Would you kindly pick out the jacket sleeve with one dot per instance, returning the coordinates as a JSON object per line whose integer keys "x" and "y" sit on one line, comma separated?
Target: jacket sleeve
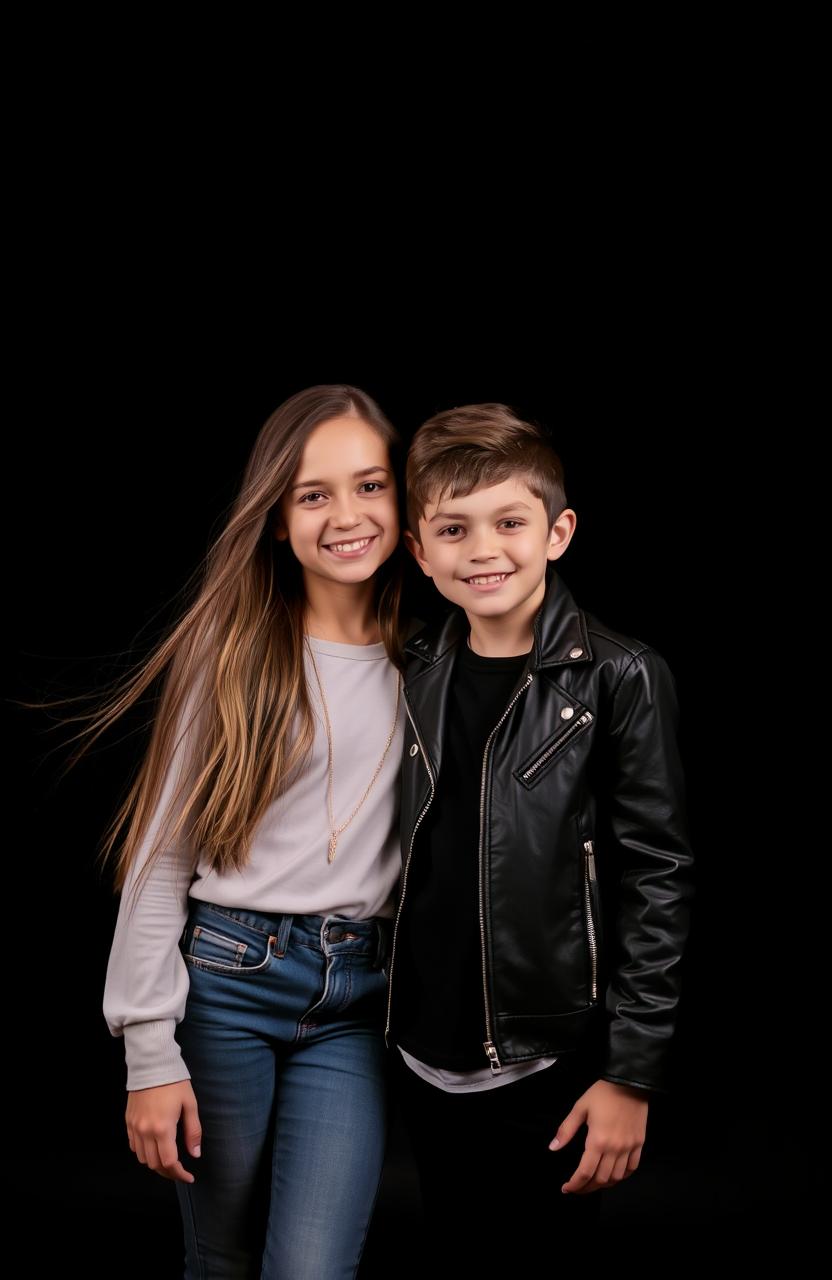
{"x": 147, "y": 980}
{"x": 651, "y": 850}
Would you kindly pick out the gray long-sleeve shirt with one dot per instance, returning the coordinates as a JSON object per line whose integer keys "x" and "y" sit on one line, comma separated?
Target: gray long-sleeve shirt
{"x": 147, "y": 979}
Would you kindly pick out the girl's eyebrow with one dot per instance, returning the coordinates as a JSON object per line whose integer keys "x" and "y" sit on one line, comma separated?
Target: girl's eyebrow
{"x": 356, "y": 475}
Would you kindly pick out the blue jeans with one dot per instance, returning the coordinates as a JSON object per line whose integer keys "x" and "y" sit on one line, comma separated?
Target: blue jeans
{"x": 283, "y": 1035}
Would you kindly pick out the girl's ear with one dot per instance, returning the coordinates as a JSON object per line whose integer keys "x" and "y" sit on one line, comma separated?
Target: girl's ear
{"x": 415, "y": 548}
{"x": 281, "y": 532}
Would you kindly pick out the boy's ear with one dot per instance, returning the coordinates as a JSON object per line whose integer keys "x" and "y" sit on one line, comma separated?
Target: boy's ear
{"x": 560, "y": 534}
{"x": 415, "y": 548}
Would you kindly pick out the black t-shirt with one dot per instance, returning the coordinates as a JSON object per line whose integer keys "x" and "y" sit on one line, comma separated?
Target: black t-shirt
{"x": 439, "y": 979}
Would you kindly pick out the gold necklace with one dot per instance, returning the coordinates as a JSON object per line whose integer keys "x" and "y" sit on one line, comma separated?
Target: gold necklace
{"x": 336, "y": 831}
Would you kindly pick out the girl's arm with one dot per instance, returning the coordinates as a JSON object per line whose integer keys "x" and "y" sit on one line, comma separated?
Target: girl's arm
{"x": 147, "y": 981}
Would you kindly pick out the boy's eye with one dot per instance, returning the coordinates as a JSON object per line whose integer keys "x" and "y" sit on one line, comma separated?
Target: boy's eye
{"x": 453, "y": 529}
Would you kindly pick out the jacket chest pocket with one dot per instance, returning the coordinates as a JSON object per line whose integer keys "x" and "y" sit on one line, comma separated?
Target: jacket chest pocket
{"x": 533, "y": 769}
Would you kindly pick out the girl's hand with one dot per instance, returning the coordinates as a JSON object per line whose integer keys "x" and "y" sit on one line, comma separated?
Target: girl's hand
{"x": 152, "y": 1116}
{"x": 616, "y": 1117}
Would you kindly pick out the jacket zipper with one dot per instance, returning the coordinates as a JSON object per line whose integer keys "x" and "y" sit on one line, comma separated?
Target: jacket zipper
{"x": 406, "y": 867}
{"x": 488, "y": 1043}
{"x": 573, "y": 728}
{"x": 589, "y": 875}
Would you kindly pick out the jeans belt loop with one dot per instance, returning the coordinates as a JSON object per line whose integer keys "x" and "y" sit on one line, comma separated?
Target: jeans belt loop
{"x": 283, "y": 935}
{"x": 381, "y": 944}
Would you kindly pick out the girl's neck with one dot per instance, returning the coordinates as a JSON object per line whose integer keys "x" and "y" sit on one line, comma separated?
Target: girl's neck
{"x": 341, "y": 612}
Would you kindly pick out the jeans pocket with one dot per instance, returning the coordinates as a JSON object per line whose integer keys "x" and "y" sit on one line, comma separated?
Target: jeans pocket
{"x": 226, "y": 946}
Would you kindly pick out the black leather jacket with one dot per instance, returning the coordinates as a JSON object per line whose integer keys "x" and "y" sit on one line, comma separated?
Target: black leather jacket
{"x": 585, "y": 864}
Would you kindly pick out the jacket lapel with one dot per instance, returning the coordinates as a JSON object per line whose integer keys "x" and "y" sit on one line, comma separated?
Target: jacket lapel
{"x": 561, "y": 636}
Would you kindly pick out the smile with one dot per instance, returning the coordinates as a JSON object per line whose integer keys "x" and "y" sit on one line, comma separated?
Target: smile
{"x": 487, "y": 581}
{"x": 350, "y": 550}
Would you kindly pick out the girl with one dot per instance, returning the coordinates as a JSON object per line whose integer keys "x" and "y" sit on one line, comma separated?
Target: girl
{"x": 247, "y": 971}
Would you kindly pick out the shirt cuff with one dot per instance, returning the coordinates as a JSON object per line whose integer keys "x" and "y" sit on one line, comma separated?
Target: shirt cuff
{"x": 153, "y": 1054}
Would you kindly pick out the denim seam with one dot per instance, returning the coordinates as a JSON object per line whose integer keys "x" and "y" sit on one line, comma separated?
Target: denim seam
{"x": 301, "y": 1029}
{"x": 369, "y": 1221}
{"x": 216, "y": 966}
{"x": 230, "y": 914}
{"x": 233, "y": 944}
{"x": 194, "y": 1233}
{"x": 348, "y": 984}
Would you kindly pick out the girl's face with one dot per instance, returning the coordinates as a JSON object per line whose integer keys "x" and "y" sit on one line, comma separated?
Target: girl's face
{"x": 339, "y": 512}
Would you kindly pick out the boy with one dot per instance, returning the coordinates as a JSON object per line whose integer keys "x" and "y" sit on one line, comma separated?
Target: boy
{"x": 544, "y": 904}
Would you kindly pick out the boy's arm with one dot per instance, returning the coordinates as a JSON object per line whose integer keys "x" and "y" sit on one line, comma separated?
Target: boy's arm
{"x": 646, "y": 804}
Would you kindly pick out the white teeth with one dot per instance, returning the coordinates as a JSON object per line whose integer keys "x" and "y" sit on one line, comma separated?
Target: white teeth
{"x": 350, "y": 546}
{"x": 483, "y": 582}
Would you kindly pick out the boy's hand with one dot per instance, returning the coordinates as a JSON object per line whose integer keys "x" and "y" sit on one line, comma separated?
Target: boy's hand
{"x": 616, "y": 1117}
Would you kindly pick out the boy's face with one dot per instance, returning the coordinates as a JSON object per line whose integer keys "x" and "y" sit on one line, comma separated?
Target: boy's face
{"x": 488, "y": 551}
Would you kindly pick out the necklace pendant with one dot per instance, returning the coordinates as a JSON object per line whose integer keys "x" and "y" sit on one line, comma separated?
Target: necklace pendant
{"x": 333, "y": 840}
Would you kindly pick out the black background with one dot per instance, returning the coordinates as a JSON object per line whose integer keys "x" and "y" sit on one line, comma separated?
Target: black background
{"x": 130, "y": 443}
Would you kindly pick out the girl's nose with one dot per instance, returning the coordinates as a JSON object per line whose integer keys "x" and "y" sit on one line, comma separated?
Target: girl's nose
{"x": 345, "y": 516}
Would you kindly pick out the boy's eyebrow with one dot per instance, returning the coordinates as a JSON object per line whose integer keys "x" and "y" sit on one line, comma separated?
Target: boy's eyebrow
{"x": 367, "y": 471}
{"x": 450, "y": 515}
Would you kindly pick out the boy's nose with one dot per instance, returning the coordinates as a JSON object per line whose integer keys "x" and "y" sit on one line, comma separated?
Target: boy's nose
{"x": 482, "y": 551}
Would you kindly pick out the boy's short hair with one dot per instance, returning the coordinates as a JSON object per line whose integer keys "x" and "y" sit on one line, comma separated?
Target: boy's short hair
{"x": 463, "y": 449}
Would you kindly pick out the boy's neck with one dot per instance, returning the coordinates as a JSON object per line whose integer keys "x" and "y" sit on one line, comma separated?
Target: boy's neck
{"x": 508, "y": 636}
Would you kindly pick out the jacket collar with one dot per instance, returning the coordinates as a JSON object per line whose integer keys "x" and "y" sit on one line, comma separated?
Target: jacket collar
{"x": 561, "y": 635}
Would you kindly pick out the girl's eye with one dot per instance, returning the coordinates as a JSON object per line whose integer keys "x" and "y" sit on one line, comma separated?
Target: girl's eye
{"x": 377, "y": 483}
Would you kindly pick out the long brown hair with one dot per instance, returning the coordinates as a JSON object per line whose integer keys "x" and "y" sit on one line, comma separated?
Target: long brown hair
{"x": 234, "y": 687}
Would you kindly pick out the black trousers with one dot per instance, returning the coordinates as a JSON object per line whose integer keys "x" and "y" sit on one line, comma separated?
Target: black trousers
{"x": 491, "y": 1188}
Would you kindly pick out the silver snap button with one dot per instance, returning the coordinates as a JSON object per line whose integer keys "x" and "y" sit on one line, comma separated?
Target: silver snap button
{"x": 414, "y": 750}
{"x": 567, "y": 713}
{"x": 576, "y": 652}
